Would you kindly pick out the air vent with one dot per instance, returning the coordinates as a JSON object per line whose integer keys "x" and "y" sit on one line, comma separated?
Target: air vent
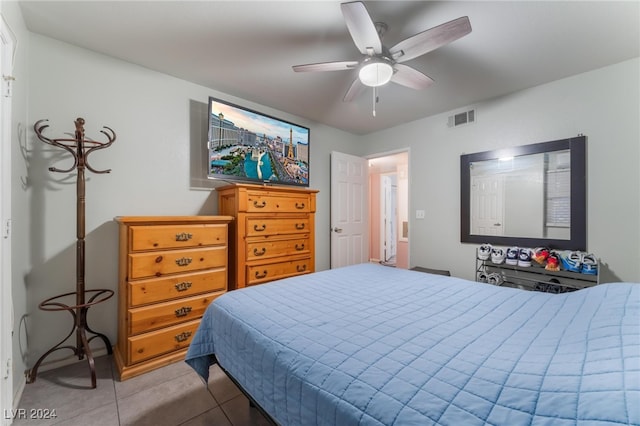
{"x": 465, "y": 117}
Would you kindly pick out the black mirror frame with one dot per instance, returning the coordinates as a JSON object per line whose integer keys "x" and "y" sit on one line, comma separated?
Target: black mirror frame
{"x": 578, "y": 239}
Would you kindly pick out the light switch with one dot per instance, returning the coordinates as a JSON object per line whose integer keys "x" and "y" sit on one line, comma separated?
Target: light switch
{"x": 419, "y": 214}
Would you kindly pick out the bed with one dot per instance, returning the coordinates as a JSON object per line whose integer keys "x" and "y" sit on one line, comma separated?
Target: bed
{"x": 374, "y": 345}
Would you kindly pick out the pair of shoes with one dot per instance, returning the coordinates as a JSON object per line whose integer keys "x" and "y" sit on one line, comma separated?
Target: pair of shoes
{"x": 577, "y": 261}
{"x": 482, "y": 277}
{"x": 519, "y": 256}
{"x": 553, "y": 286}
{"x": 571, "y": 261}
{"x": 484, "y": 251}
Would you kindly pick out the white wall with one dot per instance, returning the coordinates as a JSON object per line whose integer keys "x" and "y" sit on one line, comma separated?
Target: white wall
{"x": 603, "y": 104}
{"x": 156, "y": 163}
{"x": 19, "y": 244}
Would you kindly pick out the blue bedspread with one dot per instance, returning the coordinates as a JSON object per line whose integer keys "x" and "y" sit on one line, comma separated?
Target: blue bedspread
{"x": 372, "y": 345}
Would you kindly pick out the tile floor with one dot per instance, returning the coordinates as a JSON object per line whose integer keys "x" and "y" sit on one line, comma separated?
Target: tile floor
{"x": 172, "y": 395}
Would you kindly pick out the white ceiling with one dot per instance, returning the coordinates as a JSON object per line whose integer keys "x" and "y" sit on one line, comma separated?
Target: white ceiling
{"x": 246, "y": 48}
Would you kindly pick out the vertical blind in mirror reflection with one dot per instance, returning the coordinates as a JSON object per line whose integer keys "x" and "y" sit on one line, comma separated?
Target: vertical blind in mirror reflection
{"x": 524, "y": 196}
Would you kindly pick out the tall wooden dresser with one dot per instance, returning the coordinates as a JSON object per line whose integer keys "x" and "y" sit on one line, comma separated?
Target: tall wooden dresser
{"x": 170, "y": 269}
{"x": 273, "y": 235}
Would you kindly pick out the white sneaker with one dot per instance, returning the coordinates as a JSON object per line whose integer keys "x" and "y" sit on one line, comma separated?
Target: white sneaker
{"x": 512, "y": 256}
{"x": 524, "y": 257}
{"x": 484, "y": 252}
{"x": 497, "y": 255}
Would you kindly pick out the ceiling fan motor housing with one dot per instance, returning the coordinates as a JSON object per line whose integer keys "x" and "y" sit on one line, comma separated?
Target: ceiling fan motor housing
{"x": 376, "y": 71}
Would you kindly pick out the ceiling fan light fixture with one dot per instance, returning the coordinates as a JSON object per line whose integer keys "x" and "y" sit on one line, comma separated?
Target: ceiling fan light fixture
{"x": 375, "y": 73}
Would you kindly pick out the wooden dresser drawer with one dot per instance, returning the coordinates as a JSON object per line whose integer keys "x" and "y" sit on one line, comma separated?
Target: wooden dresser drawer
{"x": 271, "y": 247}
{"x": 159, "y": 342}
{"x": 176, "y": 236}
{"x": 273, "y": 271}
{"x": 153, "y": 290}
{"x": 150, "y": 264}
{"x": 257, "y": 226}
{"x": 160, "y": 315}
{"x": 260, "y": 202}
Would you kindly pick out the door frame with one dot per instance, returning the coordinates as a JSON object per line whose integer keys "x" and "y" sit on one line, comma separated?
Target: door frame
{"x": 7, "y": 49}
{"x": 369, "y": 157}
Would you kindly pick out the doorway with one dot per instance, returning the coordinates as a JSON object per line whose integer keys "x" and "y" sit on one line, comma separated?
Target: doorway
{"x": 389, "y": 209}
{"x": 359, "y": 219}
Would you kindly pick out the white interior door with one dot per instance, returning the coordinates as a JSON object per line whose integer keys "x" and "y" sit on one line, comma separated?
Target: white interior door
{"x": 7, "y": 43}
{"x": 349, "y": 210}
{"x": 389, "y": 198}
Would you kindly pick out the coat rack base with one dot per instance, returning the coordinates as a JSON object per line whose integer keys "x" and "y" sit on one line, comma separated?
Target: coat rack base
{"x": 80, "y": 327}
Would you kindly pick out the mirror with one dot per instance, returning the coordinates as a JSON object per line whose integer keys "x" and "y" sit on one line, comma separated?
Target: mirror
{"x": 528, "y": 196}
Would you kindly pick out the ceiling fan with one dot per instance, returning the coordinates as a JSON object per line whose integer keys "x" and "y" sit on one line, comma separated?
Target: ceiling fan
{"x": 381, "y": 65}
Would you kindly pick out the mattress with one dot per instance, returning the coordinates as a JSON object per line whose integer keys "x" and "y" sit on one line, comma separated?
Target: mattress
{"x": 373, "y": 345}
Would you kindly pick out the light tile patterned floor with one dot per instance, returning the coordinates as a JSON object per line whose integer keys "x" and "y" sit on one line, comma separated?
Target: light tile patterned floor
{"x": 172, "y": 395}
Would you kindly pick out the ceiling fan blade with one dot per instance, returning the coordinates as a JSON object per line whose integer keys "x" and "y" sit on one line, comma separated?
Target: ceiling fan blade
{"x": 430, "y": 39}
{"x": 410, "y": 77}
{"x": 326, "y": 66}
{"x": 356, "y": 88}
{"x": 361, "y": 27}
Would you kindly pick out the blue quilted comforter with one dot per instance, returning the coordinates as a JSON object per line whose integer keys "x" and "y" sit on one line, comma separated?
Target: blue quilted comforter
{"x": 372, "y": 345}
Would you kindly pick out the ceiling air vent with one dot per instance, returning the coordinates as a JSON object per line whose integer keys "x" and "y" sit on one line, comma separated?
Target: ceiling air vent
{"x": 465, "y": 117}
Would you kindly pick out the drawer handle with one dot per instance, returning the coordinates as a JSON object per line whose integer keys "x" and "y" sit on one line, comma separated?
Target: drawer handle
{"x": 259, "y": 253}
{"x": 183, "y": 312}
{"x": 301, "y": 268}
{"x": 158, "y": 259}
{"x": 183, "y": 286}
{"x": 263, "y": 275}
{"x": 300, "y": 247}
{"x": 182, "y": 336}
{"x": 299, "y": 206}
{"x": 260, "y": 205}
{"x": 299, "y": 225}
{"x": 184, "y": 236}
{"x": 184, "y": 261}
{"x": 255, "y": 228}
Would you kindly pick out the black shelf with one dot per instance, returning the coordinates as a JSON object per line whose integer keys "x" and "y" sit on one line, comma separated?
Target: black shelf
{"x": 539, "y": 269}
{"x": 536, "y": 274}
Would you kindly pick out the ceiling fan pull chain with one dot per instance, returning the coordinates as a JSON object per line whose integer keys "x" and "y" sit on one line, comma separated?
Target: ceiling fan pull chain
{"x": 375, "y": 100}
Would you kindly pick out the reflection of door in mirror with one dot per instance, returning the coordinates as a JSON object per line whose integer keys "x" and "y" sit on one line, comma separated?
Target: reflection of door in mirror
{"x": 525, "y": 196}
{"x": 487, "y": 212}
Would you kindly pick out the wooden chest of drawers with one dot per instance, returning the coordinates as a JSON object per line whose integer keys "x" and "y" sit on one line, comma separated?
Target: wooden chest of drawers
{"x": 170, "y": 270}
{"x": 273, "y": 235}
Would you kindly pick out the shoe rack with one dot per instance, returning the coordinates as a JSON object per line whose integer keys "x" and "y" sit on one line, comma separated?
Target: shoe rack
{"x": 534, "y": 277}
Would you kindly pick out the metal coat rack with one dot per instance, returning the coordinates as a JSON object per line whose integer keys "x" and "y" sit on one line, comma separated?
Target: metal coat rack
{"x": 79, "y": 148}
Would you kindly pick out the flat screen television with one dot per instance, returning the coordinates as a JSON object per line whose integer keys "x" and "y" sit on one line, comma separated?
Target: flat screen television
{"x": 246, "y": 145}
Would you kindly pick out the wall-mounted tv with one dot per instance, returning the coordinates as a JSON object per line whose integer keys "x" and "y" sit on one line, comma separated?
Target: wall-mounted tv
{"x": 245, "y": 145}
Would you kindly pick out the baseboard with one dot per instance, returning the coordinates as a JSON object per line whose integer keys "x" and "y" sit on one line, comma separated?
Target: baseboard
{"x": 17, "y": 395}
